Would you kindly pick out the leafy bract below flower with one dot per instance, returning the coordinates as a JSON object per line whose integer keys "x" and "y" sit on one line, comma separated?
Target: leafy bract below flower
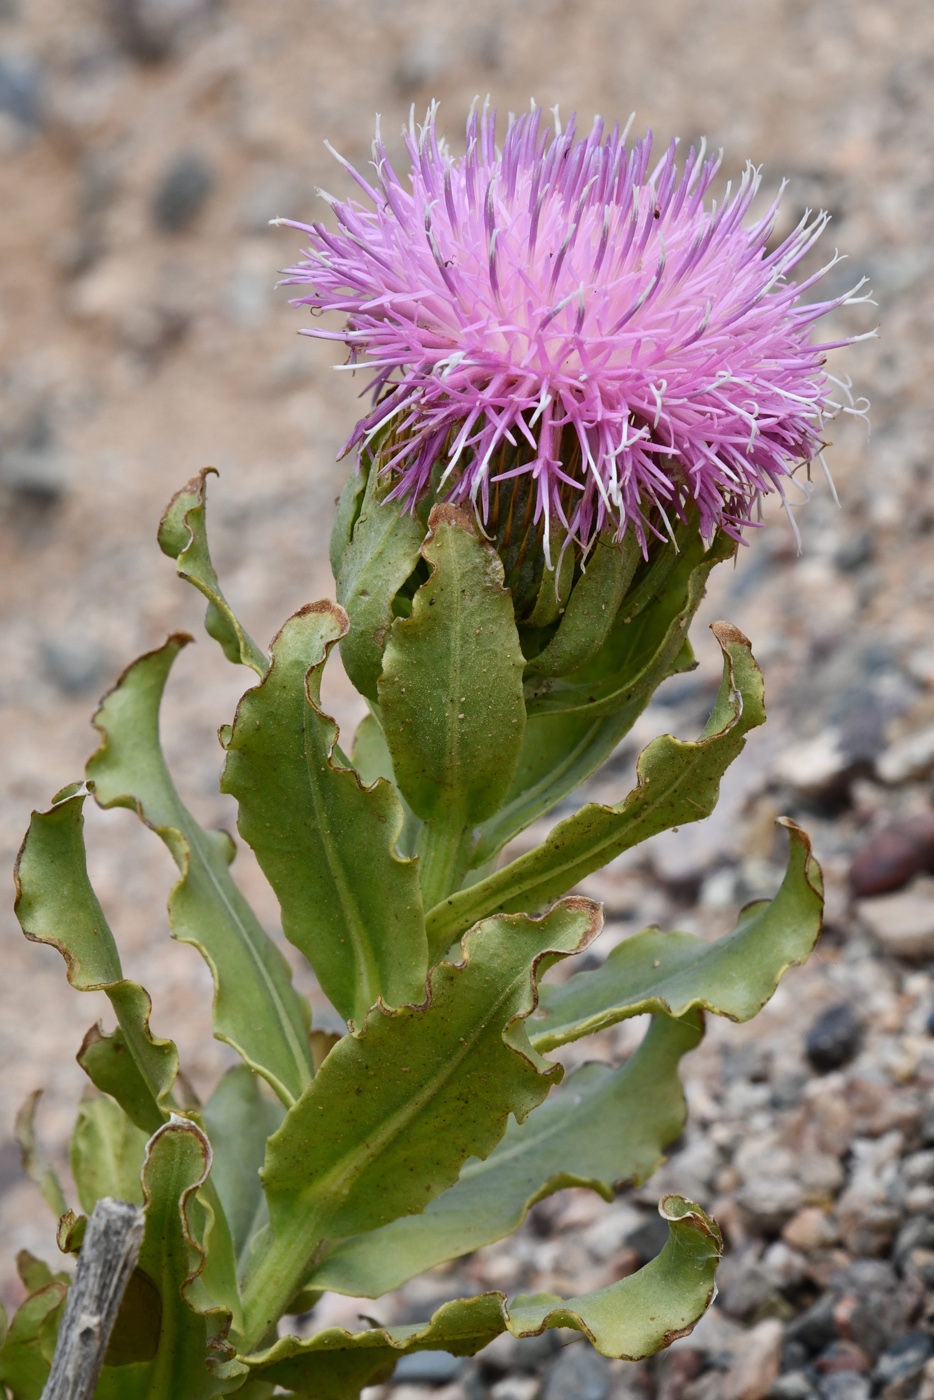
{"x": 562, "y": 310}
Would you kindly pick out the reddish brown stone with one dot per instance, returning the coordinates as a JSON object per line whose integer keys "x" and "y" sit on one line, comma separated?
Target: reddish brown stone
{"x": 893, "y": 856}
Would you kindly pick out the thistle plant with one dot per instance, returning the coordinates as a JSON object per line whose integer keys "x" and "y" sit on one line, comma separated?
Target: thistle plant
{"x": 585, "y": 377}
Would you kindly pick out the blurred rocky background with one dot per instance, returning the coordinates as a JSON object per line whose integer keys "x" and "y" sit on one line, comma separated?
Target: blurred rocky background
{"x": 144, "y": 146}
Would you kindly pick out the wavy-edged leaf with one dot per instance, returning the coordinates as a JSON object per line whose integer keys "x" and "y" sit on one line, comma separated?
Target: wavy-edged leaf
{"x": 630, "y": 1319}
{"x": 35, "y": 1163}
{"x": 638, "y": 650}
{"x": 451, "y": 689}
{"x": 396, "y": 1109}
{"x": 592, "y": 606}
{"x": 336, "y": 1364}
{"x": 110, "y": 1064}
{"x": 29, "y": 1345}
{"x": 566, "y": 742}
{"x": 106, "y": 1154}
{"x": 349, "y": 505}
{"x": 178, "y": 1159}
{"x": 256, "y": 1008}
{"x": 602, "y": 1129}
{"x": 371, "y": 758}
{"x": 675, "y": 972}
{"x": 183, "y": 537}
{"x": 380, "y": 551}
{"x": 238, "y": 1119}
{"x": 678, "y": 781}
{"x": 326, "y": 843}
{"x": 647, "y": 1311}
{"x": 56, "y": 905}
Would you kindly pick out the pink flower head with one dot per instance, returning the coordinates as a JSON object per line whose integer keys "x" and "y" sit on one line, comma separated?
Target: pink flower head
{"x": 561, "y": 309}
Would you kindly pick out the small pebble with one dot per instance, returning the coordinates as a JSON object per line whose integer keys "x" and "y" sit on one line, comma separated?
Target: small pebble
{"x": 844, "y": 1385}
{"x": 891, "y": 857}
{"x": 855, "y": 552}
{"x": 794, "y": 1385}
{"x": 908, "y": 759}
{"x": 182, "y": 191}
{"x": 428, "y": 1367}
{"x": 834, "y": 1038}
{"x": 150, "y": 29}
{"x": 812, "y": 1228}
{"x": 74, "y": 664}
{"x": 906, "y": 1359}
{"x": 20, "y": 92}
{"x": 580, "y": 1372}
{"x": 842, "y": 1356}
{"x": 678, "y": 1370}
{"x": 816, "y": 1327}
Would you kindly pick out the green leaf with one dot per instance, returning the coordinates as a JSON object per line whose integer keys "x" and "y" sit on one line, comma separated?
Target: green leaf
{"x": 111, "y": 1064}
{"x": 555, "y": 587}
{"x": 371, "y": 758}
{"x": 35, "y": 1273}
{"x": 648, "y": 1310}
{"x": 451, "y": 689}
{"x": 678, "y": 781}
{"x": 134, "y": 1340}
{"x": 345, "y": 518}
{"x": 183, "y": 537}
{"x": 238, "y": 1119}
{"x": 106, "y": 1154}
{"x": 674, "y": 972}
{"x": 382, "y": 552}
{"x": 178, "y": 1160}
{"x": 325, "y": 842}
{"x": 370, "y": 754}
{"x": 34, "y": 1161}
{"x": 396, "y": 1109}
{"x": 592, "y": 607}
{"x": 569, "y": 734}
{"x": 640, "y": 650}
{"x": 630, "y": 1319}
{"x": 603, "y": 1128}
{"x": 450, "y": 695}
{"x": 26, "y": 1354}
{"x": 336, "y": 1364}
{"x": 56, "y": 905}
{"x": 256, "y": 1008}
{"x": 125, "y": 1382}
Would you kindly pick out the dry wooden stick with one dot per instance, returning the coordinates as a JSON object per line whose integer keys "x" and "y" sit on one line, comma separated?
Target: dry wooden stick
{"x": 108, "y": 1257}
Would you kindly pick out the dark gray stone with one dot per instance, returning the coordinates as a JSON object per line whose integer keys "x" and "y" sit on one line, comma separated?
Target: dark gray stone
{"x": 427, "y": 1368}
{"x": 150, "y": 30}
{"x": 21, "y": 92}
{"x": 834, "y": 1038}
{"x": 506, "y": 1353}
{"x": 580, "y": 1372}
{"x": 916, "y": 1233}
{"x": 815, "y": 1328}
{"x": 906, "y": 1359}
{"x": 649, "y": 1238}
{"x": 880, "y": 1317}
{"x": 844, "y": 1385}
{"x": 855, "y": 552}
{"x": 745, "y": 1284}
{"x": 74, "y": 665}
{"x": 182, "y": 191}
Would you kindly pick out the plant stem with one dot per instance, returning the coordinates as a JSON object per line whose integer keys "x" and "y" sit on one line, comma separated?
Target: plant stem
{"x": 444, "y": 848}
{"x": 278, "y": 1272}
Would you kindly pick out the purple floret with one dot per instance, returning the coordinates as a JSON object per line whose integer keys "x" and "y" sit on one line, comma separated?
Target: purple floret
{"x": 564, "y": 290}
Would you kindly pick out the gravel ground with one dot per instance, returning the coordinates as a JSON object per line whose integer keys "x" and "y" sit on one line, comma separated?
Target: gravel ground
{"x": 144, "y": 145}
